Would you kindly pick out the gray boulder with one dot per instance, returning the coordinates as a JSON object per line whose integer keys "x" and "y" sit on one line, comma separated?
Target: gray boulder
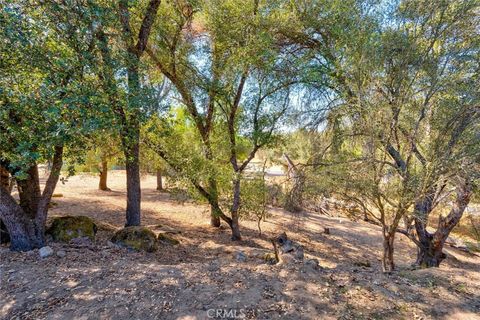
{"x": 61, "y": 253}
{"x": 45, "y": 252}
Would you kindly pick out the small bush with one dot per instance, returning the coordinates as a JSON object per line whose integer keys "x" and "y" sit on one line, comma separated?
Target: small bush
{"x": 254, "y": 200}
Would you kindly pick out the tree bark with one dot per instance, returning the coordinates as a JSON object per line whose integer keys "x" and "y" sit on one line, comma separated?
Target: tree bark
{"x": 4, "y": 235}
{"x": 27, "y": 232}
{"x": 214, "y": 217}
{"x": 235, "y": 226}
{"x": 429, "y": 255}
{"x": 5, "y": 179}
{"x": 214, "y": 209}
{"x": 426, "y": 257}
{"x": 50, "y": 185}
{"x": 132, "y": 149}
{"x": 159, "y": 180}
{"x": 102, "y": 185}
{"x": 236, "y": 236}
{"x": 29, "y": 191}
{"x": 131, "y": 141}
{"x": 388, "y": 264}
{"x": 133, "y": 213}
{"x": 129, "y": 132}
{"x": 30, "y": 196}
{"x": 430, "y": 246}
{"x": 20, "y": 227}
{"x": 6, "y": 184}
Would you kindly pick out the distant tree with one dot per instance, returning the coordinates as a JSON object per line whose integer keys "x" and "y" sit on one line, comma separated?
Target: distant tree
{"x": 152, "y": 163}
{"x": 104, "y": 148}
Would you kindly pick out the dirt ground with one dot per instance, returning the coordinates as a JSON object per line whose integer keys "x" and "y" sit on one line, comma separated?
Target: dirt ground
{"x": 201, "y": 278}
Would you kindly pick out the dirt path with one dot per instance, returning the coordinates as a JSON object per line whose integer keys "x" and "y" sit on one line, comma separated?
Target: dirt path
{"x": 201, "y": 278}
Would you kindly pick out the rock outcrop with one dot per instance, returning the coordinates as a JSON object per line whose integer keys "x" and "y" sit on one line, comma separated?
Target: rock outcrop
{"x": 136, "y": 238}
{"x": 66, "y": 228}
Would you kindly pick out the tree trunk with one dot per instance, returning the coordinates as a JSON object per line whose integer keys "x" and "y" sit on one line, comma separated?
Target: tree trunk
{"x": 159, "y": 180}
{"x": 215, "y": 213}
{"x": 4, "y": 235}
{"x": 29, "y": 192}
{"x": 5, "y": 179}
{"x": 130, "y": 119}
{"x": 426, "y": 255}
{"x": 236, "y": 236}
{"x": 133, "y": 213}
{"x": 25, "y": 227}
{"x": 429, "y": 255}
{"x": 50, "y": 185}
{"x": 19, "y": 226}
{"x": 430, "y": 248}
{"x": 132, "y": 143}
{"x": 6, "y": 184}
{"x": 214, "y": 217}
{"x": 132, "y": 138}
{"x": 388, "y": 264}
{"x": 102, "y": 185}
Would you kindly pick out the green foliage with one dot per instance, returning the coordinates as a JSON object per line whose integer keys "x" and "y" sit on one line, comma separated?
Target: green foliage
{"x": 46, "y": 96}
{"x": 254, "y": 197}
{"x": 176, "y": 138}
{"x": 103, "y": 146}
{"x": 404, "y": 100}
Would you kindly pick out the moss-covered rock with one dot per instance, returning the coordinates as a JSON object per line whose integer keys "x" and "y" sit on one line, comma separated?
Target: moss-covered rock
{"x": 168, "y": 239}
{"x": 137, "y": 238}
{"x": 65, "y": 229}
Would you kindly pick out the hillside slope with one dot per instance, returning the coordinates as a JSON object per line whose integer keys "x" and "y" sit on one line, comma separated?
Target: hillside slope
{"x": 201, "y": 278}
